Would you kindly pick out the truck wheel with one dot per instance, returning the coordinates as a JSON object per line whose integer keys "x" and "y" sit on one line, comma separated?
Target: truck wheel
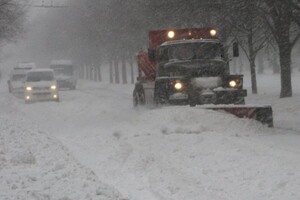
{"x": 159, "y": 102}
{"x": 135, "y": 99}
{"x": 192, "y": 104}
{"x": 192, "y": 101}
{"x": 138, "y": 98}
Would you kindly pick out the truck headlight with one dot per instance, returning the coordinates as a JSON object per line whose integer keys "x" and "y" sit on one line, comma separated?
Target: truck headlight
{"x": 53, "y": 87}
{"x": 171, "y": 34}
{"x": 28, "y": 88}
{"x": 178, "y": 86}
{"x": 233, "y": 83}
{"x": 213, "y": 32}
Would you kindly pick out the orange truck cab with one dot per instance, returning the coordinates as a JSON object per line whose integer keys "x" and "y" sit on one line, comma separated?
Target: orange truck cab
{"x": 186, "y": 66}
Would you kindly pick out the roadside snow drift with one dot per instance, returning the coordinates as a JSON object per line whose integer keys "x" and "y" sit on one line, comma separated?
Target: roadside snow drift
{"x": 35, "y": 165}
{"x": 168, "y": 153}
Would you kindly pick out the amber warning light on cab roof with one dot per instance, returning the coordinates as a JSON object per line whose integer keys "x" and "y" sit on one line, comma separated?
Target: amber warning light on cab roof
{"x": 158, "y": 37}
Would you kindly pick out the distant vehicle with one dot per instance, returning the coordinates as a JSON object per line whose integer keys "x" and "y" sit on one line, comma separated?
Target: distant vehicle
{"x": 25, "y": 65}
{"x": 17, "y": 76}
{"x": 64, "y": 73}
{"x": 40, "y": 84}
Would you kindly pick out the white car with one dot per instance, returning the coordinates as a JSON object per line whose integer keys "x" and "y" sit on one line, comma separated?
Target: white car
{"x": 17, "y": 76}
{"x": 16, "y": 81}
{"x": 25, "y": 65}
{"x": 40, "y": 85}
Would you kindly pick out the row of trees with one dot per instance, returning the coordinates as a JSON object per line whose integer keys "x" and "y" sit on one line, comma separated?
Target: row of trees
{"x": 93, "y": 31}
{"x": 11, "y": 19}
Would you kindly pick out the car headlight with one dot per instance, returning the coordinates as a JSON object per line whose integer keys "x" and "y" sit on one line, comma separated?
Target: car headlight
{"x": 233, "y": 83}
{"x": 178, "y": 86}
{"x": 28, "y": 88}
{"x": 53, "y": 87}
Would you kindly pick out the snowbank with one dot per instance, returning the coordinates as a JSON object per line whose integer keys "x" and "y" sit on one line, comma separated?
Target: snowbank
{"x": 34, "y": 165}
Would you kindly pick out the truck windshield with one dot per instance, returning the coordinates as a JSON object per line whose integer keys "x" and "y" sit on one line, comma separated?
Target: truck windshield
{"x": 189, "y": 51}
{"x": 40, "y": 76}
{"x": 66, "y": 70}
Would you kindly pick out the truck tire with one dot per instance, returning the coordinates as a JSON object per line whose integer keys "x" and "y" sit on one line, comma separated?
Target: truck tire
{"x": 159, "y": 100}
{"x": 192, "y": 101}
{"x": 192, "y": 104}
{"x": 138, "y": 97}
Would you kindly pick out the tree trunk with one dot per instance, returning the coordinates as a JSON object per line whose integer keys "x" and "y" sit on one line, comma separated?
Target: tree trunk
{"x": 131, "y": 70}
{"x": 117, "y": 73}
{"x": 86, "y": 72}
{"x": 91, "y": 72}
{"x": 111, "y": 77}
{"x": 285, "y": 63}
{"x": 253, "y": 76}
{"x": 81, "y": 72}
{"x": 99, "y": 73}
{"x": 124, "y": 71}
{"x": 252, "y": 64}
{"x": 95, "y": 73}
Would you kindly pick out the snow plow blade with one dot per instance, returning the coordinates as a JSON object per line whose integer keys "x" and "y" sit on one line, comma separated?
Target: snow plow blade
{"x": 263, "y": 114}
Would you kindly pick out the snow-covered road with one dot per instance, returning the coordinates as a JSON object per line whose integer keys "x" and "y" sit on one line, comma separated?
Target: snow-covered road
{"x": 171, "y": 153}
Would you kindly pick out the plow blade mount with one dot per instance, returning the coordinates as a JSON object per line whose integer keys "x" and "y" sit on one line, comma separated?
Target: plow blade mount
{"x": 263, "y": 114}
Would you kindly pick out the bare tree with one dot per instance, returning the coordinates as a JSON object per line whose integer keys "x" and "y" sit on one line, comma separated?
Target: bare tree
{"x": 12, "y": 17}
{"x": 281, "y": 15}
{"x": 250, "y": 30}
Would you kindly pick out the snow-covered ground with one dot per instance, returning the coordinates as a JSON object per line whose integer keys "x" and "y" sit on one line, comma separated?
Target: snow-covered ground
{"x": 94, "y": 145}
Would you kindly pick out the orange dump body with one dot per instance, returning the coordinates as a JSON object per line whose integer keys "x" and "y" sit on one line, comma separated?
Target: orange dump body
{"x": 146, "y": 68}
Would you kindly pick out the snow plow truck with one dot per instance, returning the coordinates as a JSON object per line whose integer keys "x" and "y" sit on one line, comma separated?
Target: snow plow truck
{"x": 191, "y": 67}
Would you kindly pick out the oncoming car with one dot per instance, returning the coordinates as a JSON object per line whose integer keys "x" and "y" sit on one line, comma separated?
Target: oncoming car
{"x": 17, "y": 76}
{"x": 15, "y": 82}
{"x": 40, "y": 85}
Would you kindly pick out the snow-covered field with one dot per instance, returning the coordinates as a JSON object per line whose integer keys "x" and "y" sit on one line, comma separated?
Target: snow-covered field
{"x": 94, "y": 145}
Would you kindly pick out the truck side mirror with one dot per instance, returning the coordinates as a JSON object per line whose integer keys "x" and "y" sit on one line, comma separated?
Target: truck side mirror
{"x": 151, "y": 55}
{"x": 236, "y": 49}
